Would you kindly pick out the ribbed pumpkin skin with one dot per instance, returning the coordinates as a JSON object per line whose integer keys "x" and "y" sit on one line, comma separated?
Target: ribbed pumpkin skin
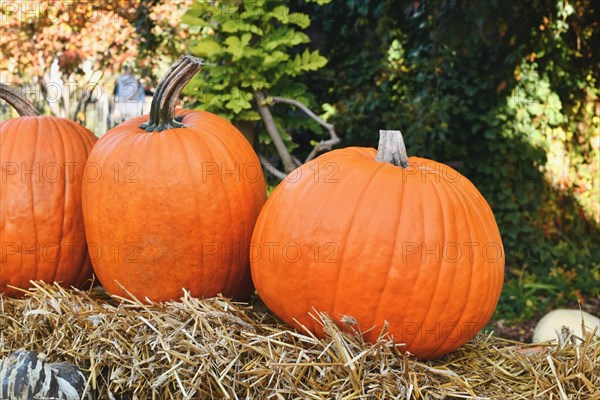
{"x": 364, "y": 229}
{"x": 40, "y": 211}
{"x": 174, "y": 223}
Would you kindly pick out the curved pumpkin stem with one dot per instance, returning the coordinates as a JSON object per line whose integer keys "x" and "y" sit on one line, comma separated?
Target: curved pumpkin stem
{"x": 162, "y": 109}
{"x": 24, "y": 107}
{"x": 391, "y": 148}
{"x": 158, "y": 93}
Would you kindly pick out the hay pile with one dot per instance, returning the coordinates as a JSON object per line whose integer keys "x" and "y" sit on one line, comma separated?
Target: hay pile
{"x": 220, "y": 349}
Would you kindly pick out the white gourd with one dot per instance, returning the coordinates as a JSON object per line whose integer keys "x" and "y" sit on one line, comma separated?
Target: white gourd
{"x": 556, "y": 319}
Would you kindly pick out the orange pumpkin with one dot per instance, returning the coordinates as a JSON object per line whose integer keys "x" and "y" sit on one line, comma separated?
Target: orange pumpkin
{"x": 176, "y": 201}
{"x": 42, "y": 233}
{"x": 409, "y": 245}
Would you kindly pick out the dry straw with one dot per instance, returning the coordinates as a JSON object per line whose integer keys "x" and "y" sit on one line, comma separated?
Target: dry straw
{"x": 216, "y": 348}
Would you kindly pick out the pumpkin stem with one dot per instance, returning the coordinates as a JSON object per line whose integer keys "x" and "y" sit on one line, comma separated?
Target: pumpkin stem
{"x": 166, "y": 96}
{"x": 391, "y": 148}
{"x": 24, "y": 107}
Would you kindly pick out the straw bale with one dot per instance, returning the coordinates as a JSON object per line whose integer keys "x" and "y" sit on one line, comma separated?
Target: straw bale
{"x": 217, "y": 348}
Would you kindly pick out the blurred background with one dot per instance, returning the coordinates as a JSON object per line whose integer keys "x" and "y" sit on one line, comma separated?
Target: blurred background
{"x": 505, "y": 92}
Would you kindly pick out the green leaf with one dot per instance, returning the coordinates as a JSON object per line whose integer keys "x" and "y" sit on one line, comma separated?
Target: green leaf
{"x": 249, "y": 115}
{"x": 232, "y": 26}
{"x": 255, "y": 83}
{"x": 205, "y": 47}
{"x": 302, "y": 20}
{"x": 307, "y": 62}
{"x": 199, "y": 14}
{"x": 296, "y": 38}
{"x": 283, "y": 15}
{"x": 239, "y": 100}
{"x": 236, "y": 46}
{"x": 236, "y": 105}
{"x": 535, "y": 109}
{"x": 284, "y": 37}
{"x": 275, "y": 57}
{"x": 264, "y": 137}
{"x": 192, "y": 20}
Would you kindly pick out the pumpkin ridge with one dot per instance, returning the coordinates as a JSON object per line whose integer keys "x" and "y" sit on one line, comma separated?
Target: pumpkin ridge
{"x": 419, "y": 273}
{"x": 409, "y": 295}
{"x": 467, "y": 293}
{"x": 106, "y": 161}
{"x": 442, "y": 262}
{"x": 282, "y": 230}
{"x": 197, "y": 208}
{"x": 440, "y": 265}
{"x": 249, "y": 212}
{"x": 83, "y": 272}
{"x": 304, "y": 281}
{"x": 35, "y": 229}
{"x": 17, "y": 123}
{"x": 64, "y": 197}
{"x": 108, "y": 139}
{"x": 230, "y": 213}
{"x": 392, "y": 259}
{"x": 480, "y": 208}
{"x": 309, "y": 280}
{"x": 129, "y": 143}
{"x": 132, "y": 142}
{"x": 345, "y": 236}
{"x": 70, "y": 135}
{"x": 88, "y": 139}
{"x": 309, "y": 277}
{"x": 285, "y": 314}
{"x": 256, "y": 236}
{"x": 453, "y": 277}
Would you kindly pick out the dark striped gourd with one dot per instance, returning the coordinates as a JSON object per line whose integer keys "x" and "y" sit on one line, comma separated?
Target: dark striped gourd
{"x": 26, "y": 375}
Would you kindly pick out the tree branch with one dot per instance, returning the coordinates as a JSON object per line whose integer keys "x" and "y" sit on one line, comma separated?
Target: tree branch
{"x": 85, "y": 100}
{"x": 265, "y": 112}
{"x": 323, "y": 144}
{"x": 271, "y": 168}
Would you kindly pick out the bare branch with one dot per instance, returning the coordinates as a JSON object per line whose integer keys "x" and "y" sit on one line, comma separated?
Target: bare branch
{"x": 290, "y": 162}
{"x": 86, "y": 99}
{"x": 267, "y": 117}
{"x": 323, "y": 144}
{"x": 271, "y": 168}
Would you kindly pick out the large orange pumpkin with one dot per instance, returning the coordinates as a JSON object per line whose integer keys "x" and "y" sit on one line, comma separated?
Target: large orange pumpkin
{"x": 380, "y": 238}
{"x": 175, "y": 201}
{"x": 42, "y": 233}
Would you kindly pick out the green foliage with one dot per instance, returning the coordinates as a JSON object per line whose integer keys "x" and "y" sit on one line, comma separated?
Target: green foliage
{"x": 249, "y": 46}
{"x": 507, "y": 89}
